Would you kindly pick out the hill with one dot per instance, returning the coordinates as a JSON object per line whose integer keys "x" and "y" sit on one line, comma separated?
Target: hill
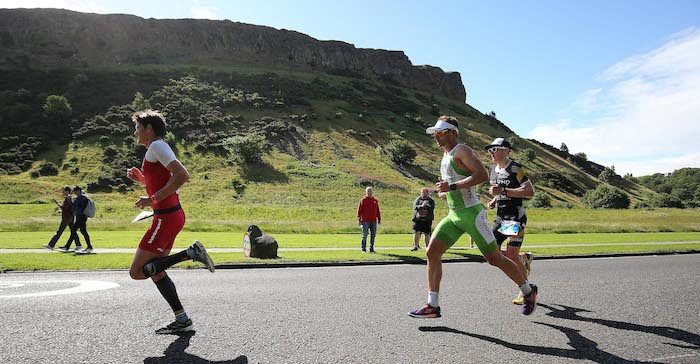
{"x": 325, "y": 133}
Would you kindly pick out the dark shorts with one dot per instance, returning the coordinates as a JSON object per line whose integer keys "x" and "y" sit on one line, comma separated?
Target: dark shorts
{"x": 423, "y": 226}
{"x": 160, "y": 237}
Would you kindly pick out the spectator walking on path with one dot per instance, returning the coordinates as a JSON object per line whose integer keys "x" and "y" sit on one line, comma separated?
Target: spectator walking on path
{"x": 509, "y": 186}
{"x": 423, "y": 215}
{"x": 460, "y": 172}
{"x": 368, "y": 216}
{"x": 79, "y": 204}
{"x": 162, "y": 175}
{"x": 66, "y": 218}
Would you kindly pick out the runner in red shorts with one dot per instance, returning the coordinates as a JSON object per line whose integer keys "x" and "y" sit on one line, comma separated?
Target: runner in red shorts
{"x": 162, "y": 175}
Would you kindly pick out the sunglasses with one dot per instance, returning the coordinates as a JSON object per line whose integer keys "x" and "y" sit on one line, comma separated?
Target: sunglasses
{"x": 495, "y": 149}
{"x": 440, "y": 133}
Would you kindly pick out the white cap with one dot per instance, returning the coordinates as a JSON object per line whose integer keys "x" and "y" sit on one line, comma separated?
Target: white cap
{"x": 441, "y": 124}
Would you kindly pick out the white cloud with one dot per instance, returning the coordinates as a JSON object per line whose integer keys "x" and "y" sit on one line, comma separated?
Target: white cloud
{"x": 82, "y": 6}
{"x": 200, "y": 11}
{"x": 644, "y": 118}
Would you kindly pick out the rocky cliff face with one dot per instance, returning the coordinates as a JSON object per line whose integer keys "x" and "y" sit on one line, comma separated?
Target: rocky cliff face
{"x": 60, "y": 38}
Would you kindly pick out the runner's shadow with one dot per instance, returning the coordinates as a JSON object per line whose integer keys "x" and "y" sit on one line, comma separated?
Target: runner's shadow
{"x": 175, "y": 353}
{"x": 405, "y": 258}
{"x": 582, "y": 347}
{"x": 571, "y": 313}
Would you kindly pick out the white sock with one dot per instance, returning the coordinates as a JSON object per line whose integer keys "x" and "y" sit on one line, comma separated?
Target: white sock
{"x": 433, "y": 299}
{"x": 525, "y": 288}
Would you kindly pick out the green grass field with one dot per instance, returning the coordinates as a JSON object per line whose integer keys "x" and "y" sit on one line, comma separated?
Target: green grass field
{"x": 340, "y": 217}
{"x": 540, "y": 244}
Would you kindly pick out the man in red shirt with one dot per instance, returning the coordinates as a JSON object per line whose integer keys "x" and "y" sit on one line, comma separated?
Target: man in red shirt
{"x": 162, "y": 175}
{"x": 368, "y": 216}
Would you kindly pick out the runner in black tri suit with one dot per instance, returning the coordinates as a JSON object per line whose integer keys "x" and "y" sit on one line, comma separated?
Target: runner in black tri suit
{"x": 509, "y": 186}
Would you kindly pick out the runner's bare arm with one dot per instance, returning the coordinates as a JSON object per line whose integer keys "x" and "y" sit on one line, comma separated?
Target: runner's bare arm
{"x": 467, "y": 159}
{"x": 524, "y": 191}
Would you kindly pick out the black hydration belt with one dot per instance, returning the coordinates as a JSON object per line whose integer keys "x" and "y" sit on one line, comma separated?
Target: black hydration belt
{"x": 167, "y": 211}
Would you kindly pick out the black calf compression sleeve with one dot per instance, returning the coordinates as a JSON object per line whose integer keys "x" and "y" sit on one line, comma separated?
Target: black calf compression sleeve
{"x": 167, "y": 290}
{"x": 160, "y": 264}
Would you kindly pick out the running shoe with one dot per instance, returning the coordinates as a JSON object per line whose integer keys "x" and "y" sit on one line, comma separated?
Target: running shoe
{"x": 78, "y": 249}
{"x": 527, "y": 261}
{"x": 414, "y": 249}
{"x": 519, "y": 299}
{"x": 84, "y": 251}
{"x": 176, "y": 326}
{"x": 47, "y": 246}
{"x": 530, "y": 301}
{"x": 201, "y": 255}
{"x": 371, "y": 250}
{"x": 427, "y": 311}
{"x": 63, "y": 249}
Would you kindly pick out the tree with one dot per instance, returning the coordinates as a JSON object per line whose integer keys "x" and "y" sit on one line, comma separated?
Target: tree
{"x": 564, "y": 148}
{"x": 140, "y": 103}
{"x": 57, "y": 107}
{"x": 606, "y": 197}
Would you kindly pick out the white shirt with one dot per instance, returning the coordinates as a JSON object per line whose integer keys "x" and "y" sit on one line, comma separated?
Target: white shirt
{"x": 160, "y": 151}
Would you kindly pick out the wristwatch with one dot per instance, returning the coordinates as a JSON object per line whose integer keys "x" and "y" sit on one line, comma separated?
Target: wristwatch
{"x": 453, "y": 186}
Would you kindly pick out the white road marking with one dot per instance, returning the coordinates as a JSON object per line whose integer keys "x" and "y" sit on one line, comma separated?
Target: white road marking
{"x": 10, "y": 285}
{"x": 83, "y": 287}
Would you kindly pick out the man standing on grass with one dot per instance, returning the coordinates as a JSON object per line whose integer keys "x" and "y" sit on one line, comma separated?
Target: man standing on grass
{"x": 369, "y": 217}
{"x": 66, "y": 218}
{"x": 509, "y": 186}
{"x": 423, "y": 208}
{"x": 162, "y": 175}
{"x": 460, "y": 173}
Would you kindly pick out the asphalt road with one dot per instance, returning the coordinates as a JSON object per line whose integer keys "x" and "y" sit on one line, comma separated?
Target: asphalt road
{"x": 603, "y": 310}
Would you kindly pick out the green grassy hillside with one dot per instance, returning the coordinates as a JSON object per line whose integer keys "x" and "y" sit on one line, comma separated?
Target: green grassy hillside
{"x": 325, "y": 140}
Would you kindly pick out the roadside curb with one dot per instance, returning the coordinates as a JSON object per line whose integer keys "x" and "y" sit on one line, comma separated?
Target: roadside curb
{"x": 418, "y": 261}
{"x": 415, "y": 261}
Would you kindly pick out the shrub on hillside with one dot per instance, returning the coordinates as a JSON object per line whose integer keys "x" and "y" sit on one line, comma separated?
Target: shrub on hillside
{"x": 529, "y": 155}
{"x": 246, "y": 149}
{"x": 559, "y": 181}
{"x": 400, "y": 152}
{"x": 540, "y": 199}
{"x": 578, "y": 159}
{"x": 606, "y": 197}
{"x": 45, "y": 169}
{"x": 608, "y": 175}
{"x": 661, "y": 200}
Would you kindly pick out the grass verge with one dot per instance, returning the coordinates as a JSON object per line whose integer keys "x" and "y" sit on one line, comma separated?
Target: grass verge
{"x": 58, "y": 261}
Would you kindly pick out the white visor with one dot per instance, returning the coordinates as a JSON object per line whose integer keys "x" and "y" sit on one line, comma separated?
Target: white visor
{"x": 441, "y": 125}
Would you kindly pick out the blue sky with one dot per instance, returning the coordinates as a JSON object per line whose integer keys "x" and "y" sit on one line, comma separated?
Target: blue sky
{"x": 617, "y": 80}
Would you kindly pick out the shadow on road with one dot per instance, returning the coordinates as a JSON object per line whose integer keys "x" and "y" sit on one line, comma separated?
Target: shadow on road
{"x": 175, "y": 353}
{"x": 582, "y": 347}
{"x": 571, "y": 313}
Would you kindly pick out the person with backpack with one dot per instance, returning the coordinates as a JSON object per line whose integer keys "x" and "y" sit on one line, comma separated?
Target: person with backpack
{"x": 423, "y": 216}
{"x": 66, "y": 218}
{"x": 162, "y": 175}
{"x": 79, "y": 205}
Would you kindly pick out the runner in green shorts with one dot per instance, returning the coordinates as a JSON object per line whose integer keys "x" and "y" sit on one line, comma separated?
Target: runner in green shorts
{"x": 460, "y": 173}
